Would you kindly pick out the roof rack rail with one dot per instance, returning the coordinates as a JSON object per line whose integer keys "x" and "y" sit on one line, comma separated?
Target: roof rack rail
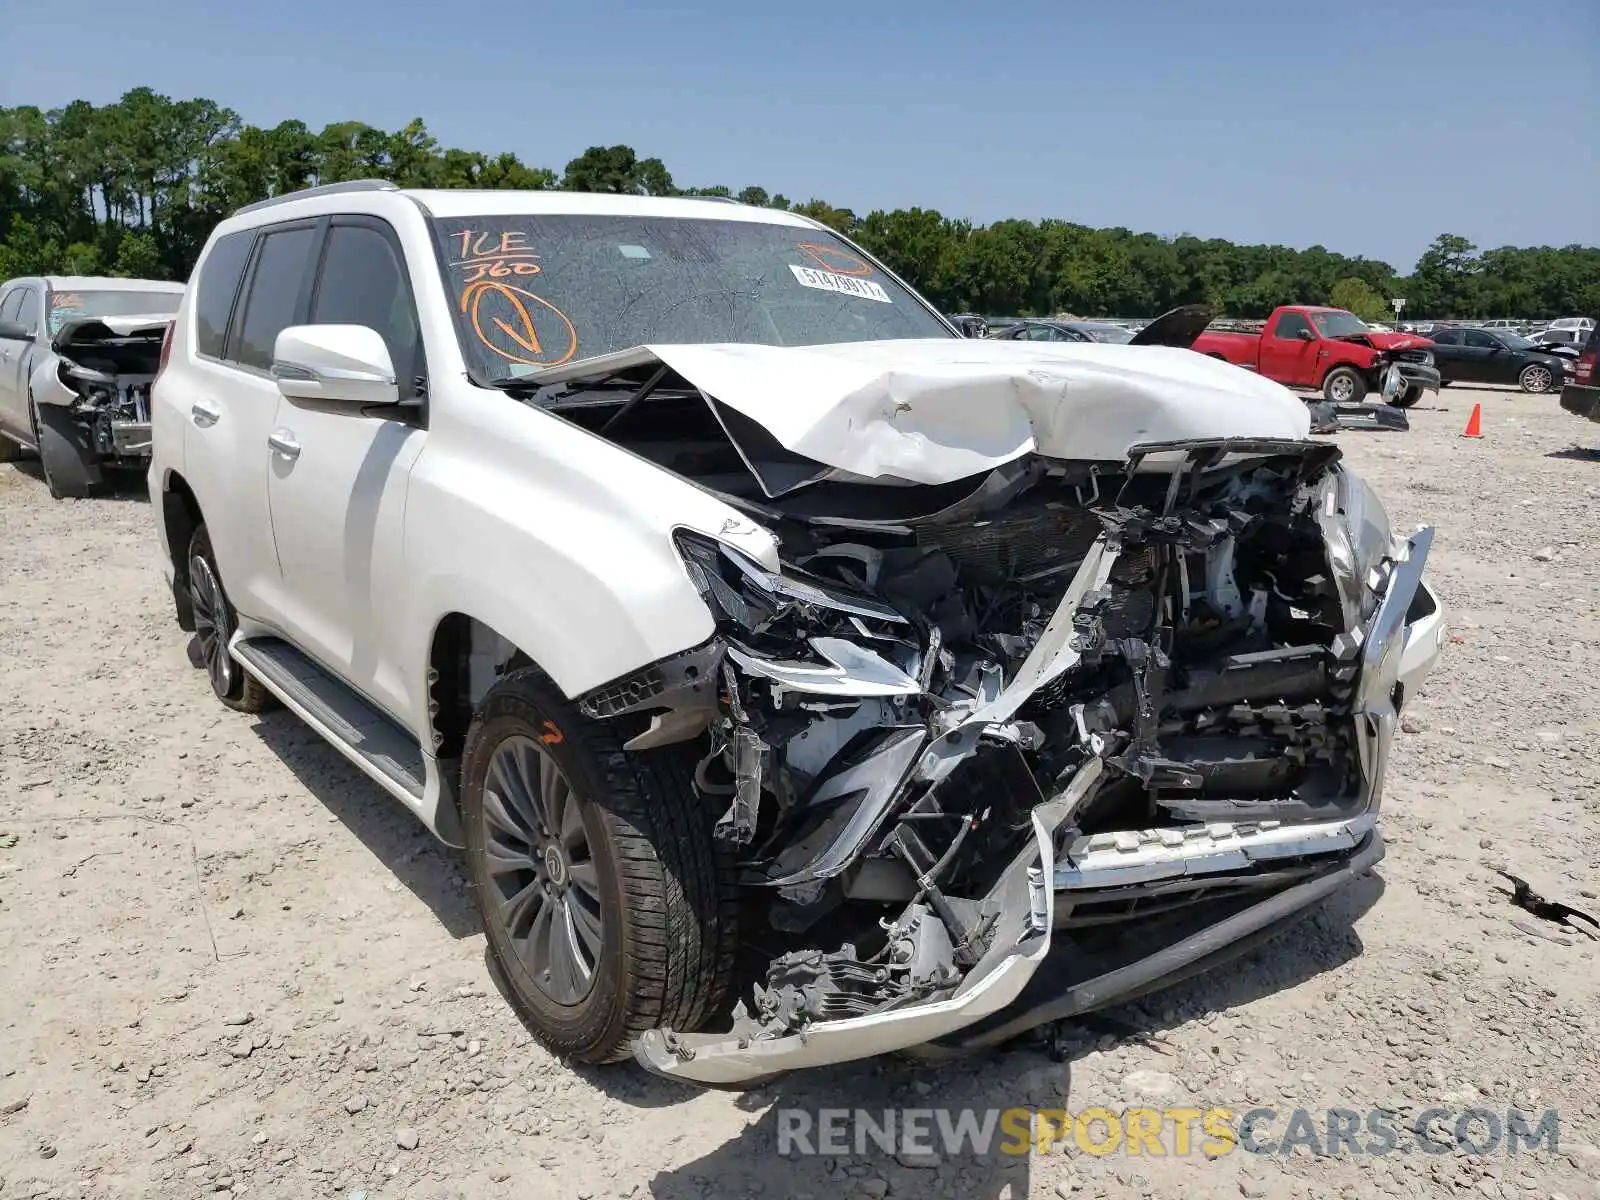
{"x": 326, "y": 189}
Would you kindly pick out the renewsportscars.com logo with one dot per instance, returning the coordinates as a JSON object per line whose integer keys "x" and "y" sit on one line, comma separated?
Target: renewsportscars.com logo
{"x": 1163, "y": 1132}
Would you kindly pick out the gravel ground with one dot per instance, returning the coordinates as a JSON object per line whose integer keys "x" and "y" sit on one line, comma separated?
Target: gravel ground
{"x": 233, "y": 966}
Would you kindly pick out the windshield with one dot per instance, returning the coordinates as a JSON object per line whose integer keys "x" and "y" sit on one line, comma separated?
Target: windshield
{"x": 74, "y": 306}
{"x": 536, "y": 291}
{"x": 1337, "y": 324}
{"x": 1515, "y": 340}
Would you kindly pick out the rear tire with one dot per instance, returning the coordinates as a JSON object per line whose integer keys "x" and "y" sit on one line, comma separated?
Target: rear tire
{"x": 1344, "y": 385}
{"x": 214, "y": 626}
{"x": 71, "y": 463}
{"x": 607, "y": 905}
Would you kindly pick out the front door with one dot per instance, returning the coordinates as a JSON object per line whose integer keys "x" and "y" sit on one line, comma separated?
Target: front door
{"x": 338, "y": 478}
{"x": 17, "y": 356}
{"x": 1287, "y": 354}
{"x": 1482, "y": 357}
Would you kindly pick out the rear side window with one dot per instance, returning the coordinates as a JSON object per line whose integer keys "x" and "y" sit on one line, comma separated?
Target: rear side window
{"x": 362, "y": 282}
{"x": 217, "y": 286}
{"x": 11, "y": 305}
{"x": 273, "y": 296}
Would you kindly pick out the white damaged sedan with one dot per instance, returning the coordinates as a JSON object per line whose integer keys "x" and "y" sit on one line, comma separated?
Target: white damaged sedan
{"x": 798, "y": 675}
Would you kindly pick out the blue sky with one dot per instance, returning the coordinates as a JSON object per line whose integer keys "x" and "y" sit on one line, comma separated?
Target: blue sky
{"x": 1368, "y": 127}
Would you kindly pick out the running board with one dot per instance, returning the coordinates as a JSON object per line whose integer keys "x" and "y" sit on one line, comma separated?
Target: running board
{"x": 383, "y": 750}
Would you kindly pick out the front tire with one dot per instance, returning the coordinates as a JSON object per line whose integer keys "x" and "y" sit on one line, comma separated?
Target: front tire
{"x": 214, "y": 626}
{"x": 71, "y": 463}
{"x": 606, "y": 903}
{"x": 1344, "y": 385}
{"x": 1535, "y": 378}
{"x": 1407, "y": 397}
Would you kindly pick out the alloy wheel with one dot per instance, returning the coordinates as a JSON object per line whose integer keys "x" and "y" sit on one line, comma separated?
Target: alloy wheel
{"x": 544, "y": 880}
{"x": 1536, "y": 379}
{"x": 213, "y": 624}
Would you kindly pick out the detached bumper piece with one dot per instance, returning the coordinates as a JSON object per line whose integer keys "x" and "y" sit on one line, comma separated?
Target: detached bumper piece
{"x": 1328, "y": 416}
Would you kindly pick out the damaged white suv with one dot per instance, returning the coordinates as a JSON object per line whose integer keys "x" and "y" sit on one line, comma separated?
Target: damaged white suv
{"x": 687, "y": 568}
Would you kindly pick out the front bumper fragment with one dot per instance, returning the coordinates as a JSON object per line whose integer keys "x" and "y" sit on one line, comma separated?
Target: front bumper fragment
{"x": 130, "y": 439}
{"x": 1416, "y": 375}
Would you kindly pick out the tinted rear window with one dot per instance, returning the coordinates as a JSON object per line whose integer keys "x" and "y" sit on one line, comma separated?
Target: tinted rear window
{"x": 274, "y": 294}
{"x": 219, "y": 282}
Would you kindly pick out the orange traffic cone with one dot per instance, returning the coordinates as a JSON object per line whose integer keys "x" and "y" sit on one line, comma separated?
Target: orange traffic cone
{"x": 1474, "y": 427}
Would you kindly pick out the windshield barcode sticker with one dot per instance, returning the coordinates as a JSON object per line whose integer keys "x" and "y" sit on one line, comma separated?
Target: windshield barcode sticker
{"x": 827, "y": 281}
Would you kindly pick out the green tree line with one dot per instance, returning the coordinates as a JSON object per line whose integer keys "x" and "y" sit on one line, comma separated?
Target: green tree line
{"x": 133, "y": 188}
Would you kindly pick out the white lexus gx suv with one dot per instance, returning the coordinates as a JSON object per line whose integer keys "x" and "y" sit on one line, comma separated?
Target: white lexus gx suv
{"x": 691, "y": 571}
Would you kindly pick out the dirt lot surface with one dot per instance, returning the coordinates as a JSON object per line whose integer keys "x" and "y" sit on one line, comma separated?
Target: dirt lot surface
{"x": 232, "y": 966}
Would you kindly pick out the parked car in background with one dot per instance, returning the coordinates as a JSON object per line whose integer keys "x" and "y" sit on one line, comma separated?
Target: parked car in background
{"x": 1474, "y": 355}
{"x": 1568, "y": 339}
{"x": 1043, "y": 329}
{"x": 1335, "y": 351}
{"x": 1581, "y": 392}
{"x": 970, "y": 324}
{"x": 77, "y": 356}
{"x": 685, "y": 566}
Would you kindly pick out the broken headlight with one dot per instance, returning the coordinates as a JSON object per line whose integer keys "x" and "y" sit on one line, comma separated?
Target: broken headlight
{"x": 1358, "y": 537}
{"x": 799, "y": 633}
{"x": 741, "y": 590}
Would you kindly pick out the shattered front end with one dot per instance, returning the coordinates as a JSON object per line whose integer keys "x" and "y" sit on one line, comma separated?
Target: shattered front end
{"x": 1130, "y": 714}
{"x": 101, "y": 372}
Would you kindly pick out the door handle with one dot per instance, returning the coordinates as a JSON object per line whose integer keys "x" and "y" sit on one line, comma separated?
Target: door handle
{"x": 282, "y": 442}
{"x": 205, "y": 414}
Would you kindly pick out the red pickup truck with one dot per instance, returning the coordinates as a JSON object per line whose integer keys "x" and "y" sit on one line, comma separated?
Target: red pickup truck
{"x": 1303, "y": 346}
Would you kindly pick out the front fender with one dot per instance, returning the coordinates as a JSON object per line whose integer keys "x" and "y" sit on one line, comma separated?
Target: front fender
{"x": 45, "y": 384}
{"x": 559, "y": 541}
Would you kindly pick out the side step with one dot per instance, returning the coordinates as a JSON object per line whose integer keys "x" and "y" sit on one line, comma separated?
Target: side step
{"x": 367, "y": 737}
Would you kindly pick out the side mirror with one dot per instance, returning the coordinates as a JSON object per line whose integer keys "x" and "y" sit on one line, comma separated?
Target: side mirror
{"x": 334, "y": 364}
{"x": 16, "y": 331}
{"x": 1305, "y": 335}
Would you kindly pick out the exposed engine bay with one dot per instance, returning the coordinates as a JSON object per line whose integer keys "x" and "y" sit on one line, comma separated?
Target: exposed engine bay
{"x": 101, "y": 371}
{"x": 1173, "y": 641}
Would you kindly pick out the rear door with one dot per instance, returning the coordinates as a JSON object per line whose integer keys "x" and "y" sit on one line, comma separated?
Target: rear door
{"x": 228, "y": 398}
{"x": 338, "y": 495}
{"x": 1448, "y": 356}
{"x": 1286, "y": 355}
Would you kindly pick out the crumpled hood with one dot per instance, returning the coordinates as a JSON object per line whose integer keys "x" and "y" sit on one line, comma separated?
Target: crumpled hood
{"x": 937, "y": 410}
{"x": 85, "y": 331}
{"x": 1397, "y": 341}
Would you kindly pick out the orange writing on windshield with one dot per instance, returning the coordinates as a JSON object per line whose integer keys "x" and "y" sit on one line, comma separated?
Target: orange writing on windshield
{"x": 494, "y": 255}
{"x": 509, "y": 321}
{"x": 831, "y": 258}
